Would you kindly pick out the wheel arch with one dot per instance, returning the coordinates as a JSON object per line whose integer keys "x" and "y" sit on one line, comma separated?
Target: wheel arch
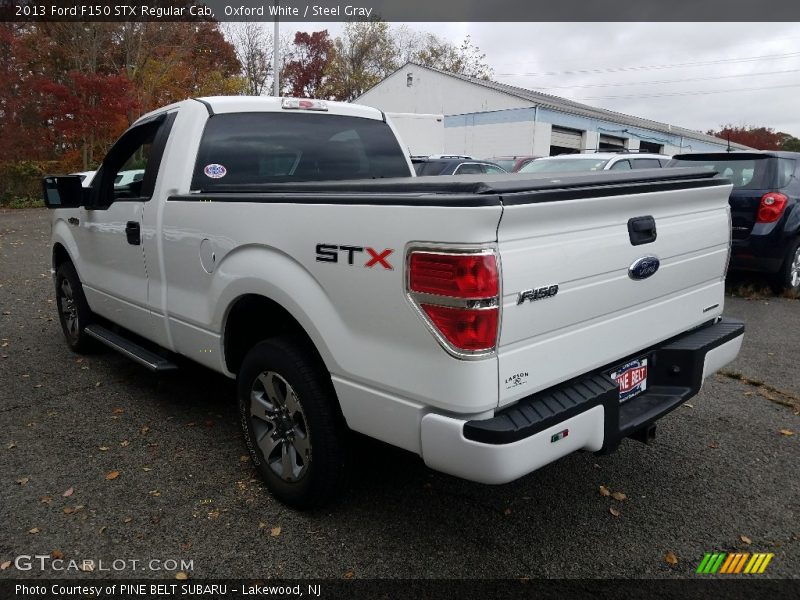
{"x": 251, "y": 318}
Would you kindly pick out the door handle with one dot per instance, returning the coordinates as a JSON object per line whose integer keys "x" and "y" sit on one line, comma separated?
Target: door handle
{"x": 642, "y": 230}
{"x": 134, "y": 233}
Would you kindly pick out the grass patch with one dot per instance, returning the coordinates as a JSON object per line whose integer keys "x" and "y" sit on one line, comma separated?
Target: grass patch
{"x": 23, "y": 203}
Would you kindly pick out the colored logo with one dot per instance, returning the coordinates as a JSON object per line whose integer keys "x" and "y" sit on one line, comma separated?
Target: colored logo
{"x": 734, "y": 563}
{"x": 644, "y": 267}
{"x": 215, "y": 171}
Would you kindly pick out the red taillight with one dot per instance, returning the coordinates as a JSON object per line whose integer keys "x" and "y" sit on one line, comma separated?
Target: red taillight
{"x": 771, "y": 207}
{"x": 457, "y": 292}
{"x": 456, "y": 275}
{"x": 467, "y": 329}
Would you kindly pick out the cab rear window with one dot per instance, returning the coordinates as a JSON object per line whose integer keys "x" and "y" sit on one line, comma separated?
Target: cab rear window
{"x": 242, "y": 149}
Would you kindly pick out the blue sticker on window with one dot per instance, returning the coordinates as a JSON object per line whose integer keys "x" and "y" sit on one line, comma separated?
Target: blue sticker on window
{"x": 215, "y": 171}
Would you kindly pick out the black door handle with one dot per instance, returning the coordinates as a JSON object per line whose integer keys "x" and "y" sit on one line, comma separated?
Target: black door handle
{"x": 642, "y": 230}
{"x": 133, "y": 232}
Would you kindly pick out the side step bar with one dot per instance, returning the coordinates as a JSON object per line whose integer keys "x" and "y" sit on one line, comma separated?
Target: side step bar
{"x": 132, "y": 350}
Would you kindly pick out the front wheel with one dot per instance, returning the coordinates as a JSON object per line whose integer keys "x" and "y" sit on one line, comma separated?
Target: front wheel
{"x": 73, "y": 310}
{"x": 788, "y": 278}
{"x": 291, "y": 422}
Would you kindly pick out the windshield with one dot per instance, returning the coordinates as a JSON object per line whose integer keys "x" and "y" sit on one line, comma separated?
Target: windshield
{"x": 564, "y": 165}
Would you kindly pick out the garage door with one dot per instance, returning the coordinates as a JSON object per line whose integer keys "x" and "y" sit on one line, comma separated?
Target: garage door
{"x": 566, "y": 138}
{"x": 611, "y": 142}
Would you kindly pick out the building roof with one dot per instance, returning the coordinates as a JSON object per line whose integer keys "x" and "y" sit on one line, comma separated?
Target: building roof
{"x": 570, "y": 106}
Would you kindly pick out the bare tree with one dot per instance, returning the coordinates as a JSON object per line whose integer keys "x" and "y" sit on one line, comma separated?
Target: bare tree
{"x": 253, "y": 45}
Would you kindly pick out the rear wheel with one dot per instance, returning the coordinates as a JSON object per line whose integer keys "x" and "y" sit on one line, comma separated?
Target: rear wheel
{"x": 788, "y": 278}
{"x": 291, "y": 422}
{"x": 73, "y": 310}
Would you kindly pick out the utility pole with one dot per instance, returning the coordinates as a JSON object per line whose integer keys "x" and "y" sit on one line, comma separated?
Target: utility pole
{"x": 276, "y": 87}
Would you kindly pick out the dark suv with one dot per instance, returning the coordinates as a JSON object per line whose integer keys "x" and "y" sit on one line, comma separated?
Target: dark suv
{"x": 765, "y": 216}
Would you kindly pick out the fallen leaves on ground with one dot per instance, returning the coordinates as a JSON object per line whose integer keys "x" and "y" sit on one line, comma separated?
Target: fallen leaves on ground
{"x": 713, "y": 445}
{"x": 144, "y": 430}
{"x": 614, "y": 512}
{"x": 745, "y": 539}
{"x": 111, "y": 475}
{"x": 787, "y": 432}
{"x": 103, "y": 448}
{"x": 124, "y": 443}
{"x": 181, "y": 576}
{"x": 670, "y": 558}
{"x": 5, "y": 565}
{"x": 275, "y": 531}
{"x": 23, "y": 480}
{"x": 118, "y": 411}
{"x": 244, "y": 458}
{"x": 155, "y": 493}
{"x": 604, "y": 491}
{"x": 349, "y": 574}
{"x": 57, "y": 554}
{"x": 11, "y": 446}
{"x": 127, "y": 519}
{"x": 46, "y": 499}
{"x": 68, "y": 492}
{"x": 34, "y": 531}
{"x": 619, "y": 496}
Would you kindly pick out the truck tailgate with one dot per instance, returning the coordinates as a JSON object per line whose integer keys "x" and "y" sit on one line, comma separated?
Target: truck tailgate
{"x": 579, "y": 240}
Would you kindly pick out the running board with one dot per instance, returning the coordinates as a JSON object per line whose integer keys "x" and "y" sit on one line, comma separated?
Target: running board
{"x": 132, "y": 350}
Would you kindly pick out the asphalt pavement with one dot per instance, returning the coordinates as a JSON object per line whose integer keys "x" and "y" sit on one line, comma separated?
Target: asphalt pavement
{"x": 101, "y": 460}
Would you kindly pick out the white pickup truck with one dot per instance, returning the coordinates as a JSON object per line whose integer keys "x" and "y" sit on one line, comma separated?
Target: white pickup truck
{"x": 490, "y": 324}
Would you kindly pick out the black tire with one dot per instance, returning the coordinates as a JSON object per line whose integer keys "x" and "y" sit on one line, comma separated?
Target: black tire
{"x": 788, "y": 278}
{"x": 73, "y": 310}
{"x": 299, "y": 439}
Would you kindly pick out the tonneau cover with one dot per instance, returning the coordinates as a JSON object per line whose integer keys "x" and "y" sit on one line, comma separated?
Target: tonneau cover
{"x": 478, "y": 184}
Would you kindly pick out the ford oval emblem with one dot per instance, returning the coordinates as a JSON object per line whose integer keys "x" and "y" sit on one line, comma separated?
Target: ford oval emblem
{"x": 644, "y": 267}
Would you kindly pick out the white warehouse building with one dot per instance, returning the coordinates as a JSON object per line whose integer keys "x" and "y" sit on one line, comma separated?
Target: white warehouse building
{"x": 486, "y": 118}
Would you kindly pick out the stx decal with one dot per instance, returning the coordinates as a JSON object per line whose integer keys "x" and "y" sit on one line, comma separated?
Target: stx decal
{"x": 330, "y": 253}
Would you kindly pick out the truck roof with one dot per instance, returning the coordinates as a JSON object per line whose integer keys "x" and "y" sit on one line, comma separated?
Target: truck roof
{"x": 238, "y": 104}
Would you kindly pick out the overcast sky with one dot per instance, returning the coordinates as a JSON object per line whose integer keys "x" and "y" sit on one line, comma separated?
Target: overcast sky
{"x": 751, "y": 74}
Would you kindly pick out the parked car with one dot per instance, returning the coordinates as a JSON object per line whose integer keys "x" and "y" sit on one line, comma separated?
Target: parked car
{"x": 598, "y": 161}
{"x": 765, "y": 217}
{"x": 455, "y": 166}
{"x": 86, "y": 177}
{"x": 512, "y": 164}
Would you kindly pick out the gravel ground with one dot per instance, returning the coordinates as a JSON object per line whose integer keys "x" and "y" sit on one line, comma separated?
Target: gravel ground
{"x": 721, "y": 475}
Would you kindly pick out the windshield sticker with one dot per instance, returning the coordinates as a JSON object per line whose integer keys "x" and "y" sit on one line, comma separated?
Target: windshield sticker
{"x": 215, "y": 171}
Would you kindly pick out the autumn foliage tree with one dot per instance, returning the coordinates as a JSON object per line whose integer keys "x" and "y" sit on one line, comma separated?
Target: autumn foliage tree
{"x": 306, "y": 69}
{"x": 760, "y": 138}
{"x": 69, "y": 89}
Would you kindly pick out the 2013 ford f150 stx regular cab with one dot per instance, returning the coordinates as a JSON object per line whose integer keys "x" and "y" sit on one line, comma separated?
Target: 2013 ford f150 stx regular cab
{"x": 490, "y": 324}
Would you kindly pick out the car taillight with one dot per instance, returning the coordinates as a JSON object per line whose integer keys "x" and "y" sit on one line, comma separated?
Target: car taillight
{"x": 465, "y": 328}
{"x": 459, "y": 276}
{"x": 771, "y": 207}
{"x": 457, "y": 293}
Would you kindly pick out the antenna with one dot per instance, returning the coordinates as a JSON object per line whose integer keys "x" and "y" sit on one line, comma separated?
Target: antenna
{"x": 729, "y": 141}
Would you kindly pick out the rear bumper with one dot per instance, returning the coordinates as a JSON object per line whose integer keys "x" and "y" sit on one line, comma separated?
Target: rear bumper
{"x": 530, "y": 434}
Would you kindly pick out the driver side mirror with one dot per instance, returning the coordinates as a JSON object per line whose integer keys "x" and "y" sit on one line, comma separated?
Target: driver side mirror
{"x": 63, "y": 191}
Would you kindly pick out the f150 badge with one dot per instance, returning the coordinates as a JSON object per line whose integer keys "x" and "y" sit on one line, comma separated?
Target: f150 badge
{"x": 534, "y": 294}
{"x": 330, "y": 253}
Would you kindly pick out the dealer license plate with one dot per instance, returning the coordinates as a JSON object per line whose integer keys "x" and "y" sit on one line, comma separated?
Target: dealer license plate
{"x": 631, "y": 378}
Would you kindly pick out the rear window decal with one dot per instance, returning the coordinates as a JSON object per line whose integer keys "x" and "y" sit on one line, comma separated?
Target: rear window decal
{"x": 215, "y": 171}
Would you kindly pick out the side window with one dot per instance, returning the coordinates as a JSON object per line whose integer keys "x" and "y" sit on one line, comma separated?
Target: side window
{"x": 621, "y": 165}
{"x": 786, "y": 167}
{"x": 646, "y": 163}
{"x": 491, "y": 169}
{"x": 468, "y": 169}
{"x": 130, "y": 168}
